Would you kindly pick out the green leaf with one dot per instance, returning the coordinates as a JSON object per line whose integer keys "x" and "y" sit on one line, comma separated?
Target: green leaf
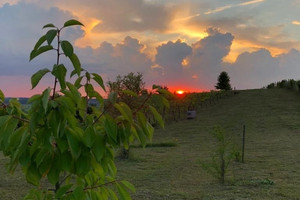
{"x": 129, "y": 92}
{"x": 125, "y": 114}
{"x": 41, "y": 156}
{"x": 89, "y": 89}
{"x": 9, "y": 127}
{"x": 99, "y": 147}
{"x": 49, "y": 26}
{"x": 74, "y": 91}
{"x": 45, "y": 98}
{"x": 53, "y": 175}
{"x": 99, "y": 80}
{"x": 40, "y": 42}
{"x": 72, "y": 22}
{"x": 78, "y": 81}
{"x": 146, "y": 127}
{"x": 35, "y": 78}
{"x": 111, "y": 127}
{"x": 62, "y": 190}
{"x": 35, "y": 52}
{"x": 59, "y": 71}
{"x": 112, "y": 194}
{"x": 83, "y": 165}
{"x": 2, "y": 98}
{"x": 32, "y": 175}
{"x": 129, "y": 185}
{"x": 15, "y": 137}
{"x": 74, "y": 144}
{"x": 123, "y": 193}
{"x": 141, "y": 136}
{"x": 157, "y": 116}
{"x": 67, "y": 48}
{"x": 76, "y": 63}
{"x": 89, "y": 136}
{"x": 50, "y": 35}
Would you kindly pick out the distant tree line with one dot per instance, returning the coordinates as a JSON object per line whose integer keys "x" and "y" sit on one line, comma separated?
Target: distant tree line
{"x": 287, "y": 84}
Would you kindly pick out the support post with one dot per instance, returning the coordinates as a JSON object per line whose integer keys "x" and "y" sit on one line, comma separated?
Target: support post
{"x": 243, "y": 147}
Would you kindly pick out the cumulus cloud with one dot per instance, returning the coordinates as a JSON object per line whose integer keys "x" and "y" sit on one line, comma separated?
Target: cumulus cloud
{"x": 118, "y": 59}
{"x": 207, "y": 58}
{"x": 259, "y": 68}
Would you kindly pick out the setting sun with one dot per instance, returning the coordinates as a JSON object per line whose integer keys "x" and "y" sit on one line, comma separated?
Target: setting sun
{"x": 179, "y": 92}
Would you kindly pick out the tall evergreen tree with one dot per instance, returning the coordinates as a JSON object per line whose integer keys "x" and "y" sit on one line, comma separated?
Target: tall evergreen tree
{"x": 223, "y": 82}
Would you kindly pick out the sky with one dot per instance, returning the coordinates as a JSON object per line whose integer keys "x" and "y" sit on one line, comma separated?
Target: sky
{"x": 181, "y": 44}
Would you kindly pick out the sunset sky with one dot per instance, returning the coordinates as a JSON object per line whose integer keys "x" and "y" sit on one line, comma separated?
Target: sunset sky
{"x": 181, "y": 44}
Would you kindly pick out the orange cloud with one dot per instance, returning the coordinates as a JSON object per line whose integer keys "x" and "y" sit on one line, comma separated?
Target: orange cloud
{"x": 296, "y": 22}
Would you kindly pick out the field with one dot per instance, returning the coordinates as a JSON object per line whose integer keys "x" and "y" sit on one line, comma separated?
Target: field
{"x": 164, "y": 171}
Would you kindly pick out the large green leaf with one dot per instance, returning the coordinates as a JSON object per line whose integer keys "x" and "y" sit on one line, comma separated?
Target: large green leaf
{"x": 83, "y": 165}
{"x": 89, "y": 136}
{"x": 76, "y": 63}
{"x": 99, "y": 80}
{"x": 15, "y": 137}
{"x": 111, "y": 127}
{"x": 141, "y": 136}
{"x": 99, "y": 147}
{"x": 157, "y": 116}
{"x": 35, "y": 52}
{"x": 67, "y": 48}
{"x": 73, "y": 144}
{"x": 53, "y": 175}
{"x": 2, "y": 96}
{"x": 77, "y": 83}
{"x": 45, "y": 98}
{"x": 8, "y": 129}
{"x": 40, "y": 42}
{"x": 124, "y": 195}
{"x": 59, "y": 71}
{"x": 50, "y": 35}
{"x": 33, "y": 175}
{"x": 74, "y": 91}
{"x": 36, "y": 77}
{"x": 72, "y": 22}
{"x": 125, "y": 114}
{"x": 129, "y": 185}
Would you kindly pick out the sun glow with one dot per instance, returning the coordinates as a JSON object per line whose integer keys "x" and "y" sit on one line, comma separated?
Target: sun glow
{"x": 180, "y": 92}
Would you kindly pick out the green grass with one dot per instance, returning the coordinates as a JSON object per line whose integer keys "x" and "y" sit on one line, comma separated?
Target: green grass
{"x": 272, "y": 153}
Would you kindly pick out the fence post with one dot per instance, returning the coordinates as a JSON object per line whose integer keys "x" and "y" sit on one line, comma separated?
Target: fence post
{"x": 243, "y": 147}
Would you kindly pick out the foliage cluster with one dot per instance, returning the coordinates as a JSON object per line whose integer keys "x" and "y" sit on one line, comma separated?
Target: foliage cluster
{"x": 287, "y": 84}
{"x": 64, "y": 141}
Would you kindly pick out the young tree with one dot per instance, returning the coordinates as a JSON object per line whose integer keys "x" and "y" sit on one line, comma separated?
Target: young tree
{"x": 130, "y": 89}
{"x": 60, "y": 139}
{"x": 223, "y": 82}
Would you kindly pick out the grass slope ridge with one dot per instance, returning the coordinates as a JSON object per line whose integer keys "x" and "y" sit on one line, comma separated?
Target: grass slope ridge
{"x": 272, "y": 161}
{"x": 272, "y": 158}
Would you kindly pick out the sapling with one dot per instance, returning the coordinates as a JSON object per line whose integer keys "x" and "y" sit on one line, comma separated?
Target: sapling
{"x": 224, "y": 153}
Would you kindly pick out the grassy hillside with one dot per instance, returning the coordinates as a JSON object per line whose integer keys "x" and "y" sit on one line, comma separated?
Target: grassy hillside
{"x": 272, "y": 158}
